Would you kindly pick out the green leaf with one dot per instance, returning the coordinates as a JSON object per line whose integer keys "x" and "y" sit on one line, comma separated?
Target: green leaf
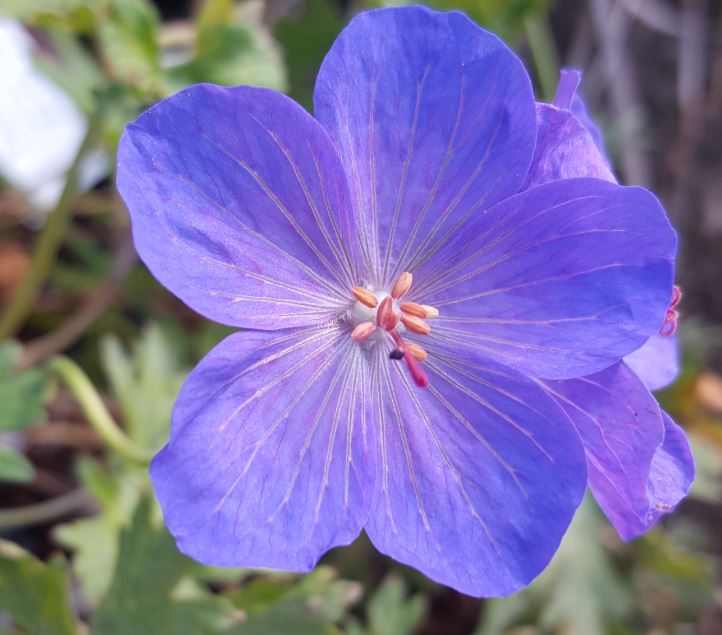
{"x": 14, "y": 467}
{"x": 232, "y": 47}
{"x": 579, "y": 592}
{"x": 146, "y": 382}
{"x": 583, "y": 591}
{"x": 72, "y": 68}
{"x": 392, "y": 612}
{"x": 22, "y": 395}
{"x": 94, "y": 541}
{"x": 73, "y": 15}
{"x": 142, "y": 597}
{"x": 34, "y": 594}
{"x": 128, "y": 39}
{"x": 289, "y": 616}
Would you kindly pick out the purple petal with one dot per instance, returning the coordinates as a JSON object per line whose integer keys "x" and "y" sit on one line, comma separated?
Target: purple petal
{"x": 672, "y": 471}
{"x": 569, "y": 145}
{"x": 567, "y": 97}
{"x": 238, "y": 201}
{"x": 565, "y": 149}
{"x": 569, "y": 81}
{"x": 621, "y": 428}
{"x": 559, "y": 281}
{"x": 481, "y": 474}
{"x": 656, "y": 362}
{"x": 269, "y": 462}
{"x": 434, "y": 120}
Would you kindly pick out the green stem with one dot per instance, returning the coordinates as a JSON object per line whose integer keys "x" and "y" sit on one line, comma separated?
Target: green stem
{"x": 94, "y": 409}
{"x": 48, "y": 243}
{"x": 544, "y": 53}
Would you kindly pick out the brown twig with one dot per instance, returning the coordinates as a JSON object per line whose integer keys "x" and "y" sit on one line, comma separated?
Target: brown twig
{"x": 96, "y": 303}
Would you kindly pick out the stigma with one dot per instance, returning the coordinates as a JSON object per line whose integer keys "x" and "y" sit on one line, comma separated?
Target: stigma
{"x": 671, "y": 316}
{"x": 380, "y": 318}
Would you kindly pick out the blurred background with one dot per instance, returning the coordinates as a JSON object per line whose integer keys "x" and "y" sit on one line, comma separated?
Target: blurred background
{"x": 87, "y": 334}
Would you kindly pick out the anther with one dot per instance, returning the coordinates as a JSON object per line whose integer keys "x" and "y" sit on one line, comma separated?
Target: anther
{"x": 386, "y": 317}
{"x": 419, "y": 310}
{"x": 363, "y": 331}
{"x": 418, "y": 352}
{"x": 413, "y": 309}
{"x": 365, "y": 296}
{"x": 403, "y": 284}
{"x": 417, "y": 325}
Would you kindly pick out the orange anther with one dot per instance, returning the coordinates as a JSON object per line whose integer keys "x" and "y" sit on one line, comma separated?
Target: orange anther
{"x": 413, "y": 309}
{"x": 403, "y": 284}
{"x": 415, "y": 324}
{"x": 431, "y": 311}
{"x": 362, "y": 331}
{"x": 418, "y": 352}
{"x": 364, "y": 296}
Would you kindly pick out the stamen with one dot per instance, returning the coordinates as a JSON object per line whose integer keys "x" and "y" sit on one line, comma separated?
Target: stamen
{"x": 363, "y": 331}
{"x": 365, "y": 296}
{"x": 403, "y": 284}
{"x": 386, "y": 317}
{"x": 418, "y": 374}
{"x": 418, "y": 352}
{"x": 419, "y": 310}
{"x": 417, "y": 325}
{"x": 413, "y": 309}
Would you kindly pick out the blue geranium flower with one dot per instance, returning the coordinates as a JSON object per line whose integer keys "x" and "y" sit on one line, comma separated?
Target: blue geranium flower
{"x": 631, "y": 445}
{"x": 419, "y": 306}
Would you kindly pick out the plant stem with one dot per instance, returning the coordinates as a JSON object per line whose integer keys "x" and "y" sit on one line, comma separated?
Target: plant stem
{"x": 47, "y": 245}
{"x": 44, "y": 512}
{"x": 94, "y": 409}
{"x": 544, "y": 54}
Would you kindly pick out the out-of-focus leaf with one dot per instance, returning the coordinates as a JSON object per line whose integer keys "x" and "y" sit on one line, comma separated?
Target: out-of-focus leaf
{"x": 73, "y": 15}
{"x": 392, "y": 612}
{"x": 232, "y": 47}
{"x": 22, "y": 395}
{"x": 292, "y": 616}
{"x": 146, "y": 382}
{"x": 94, "y": 541}
{"x": 499, "y": 615}
{"x": 128, "y": 39}
{"x": 707, "y": 483}
{"x": 579, "y": 592}
{"x": 305, "y": 41}
{"x": 323, "y": 597}
{"x": 72, "y": 68}
{"x": 673, "y": 582}
{"x": 142, "y": 596}
{"x": 14, "y": 467}
{"x": 34, "y": 594}
{"x": 259, "y": 595}
{"x": 582, "y": 591}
